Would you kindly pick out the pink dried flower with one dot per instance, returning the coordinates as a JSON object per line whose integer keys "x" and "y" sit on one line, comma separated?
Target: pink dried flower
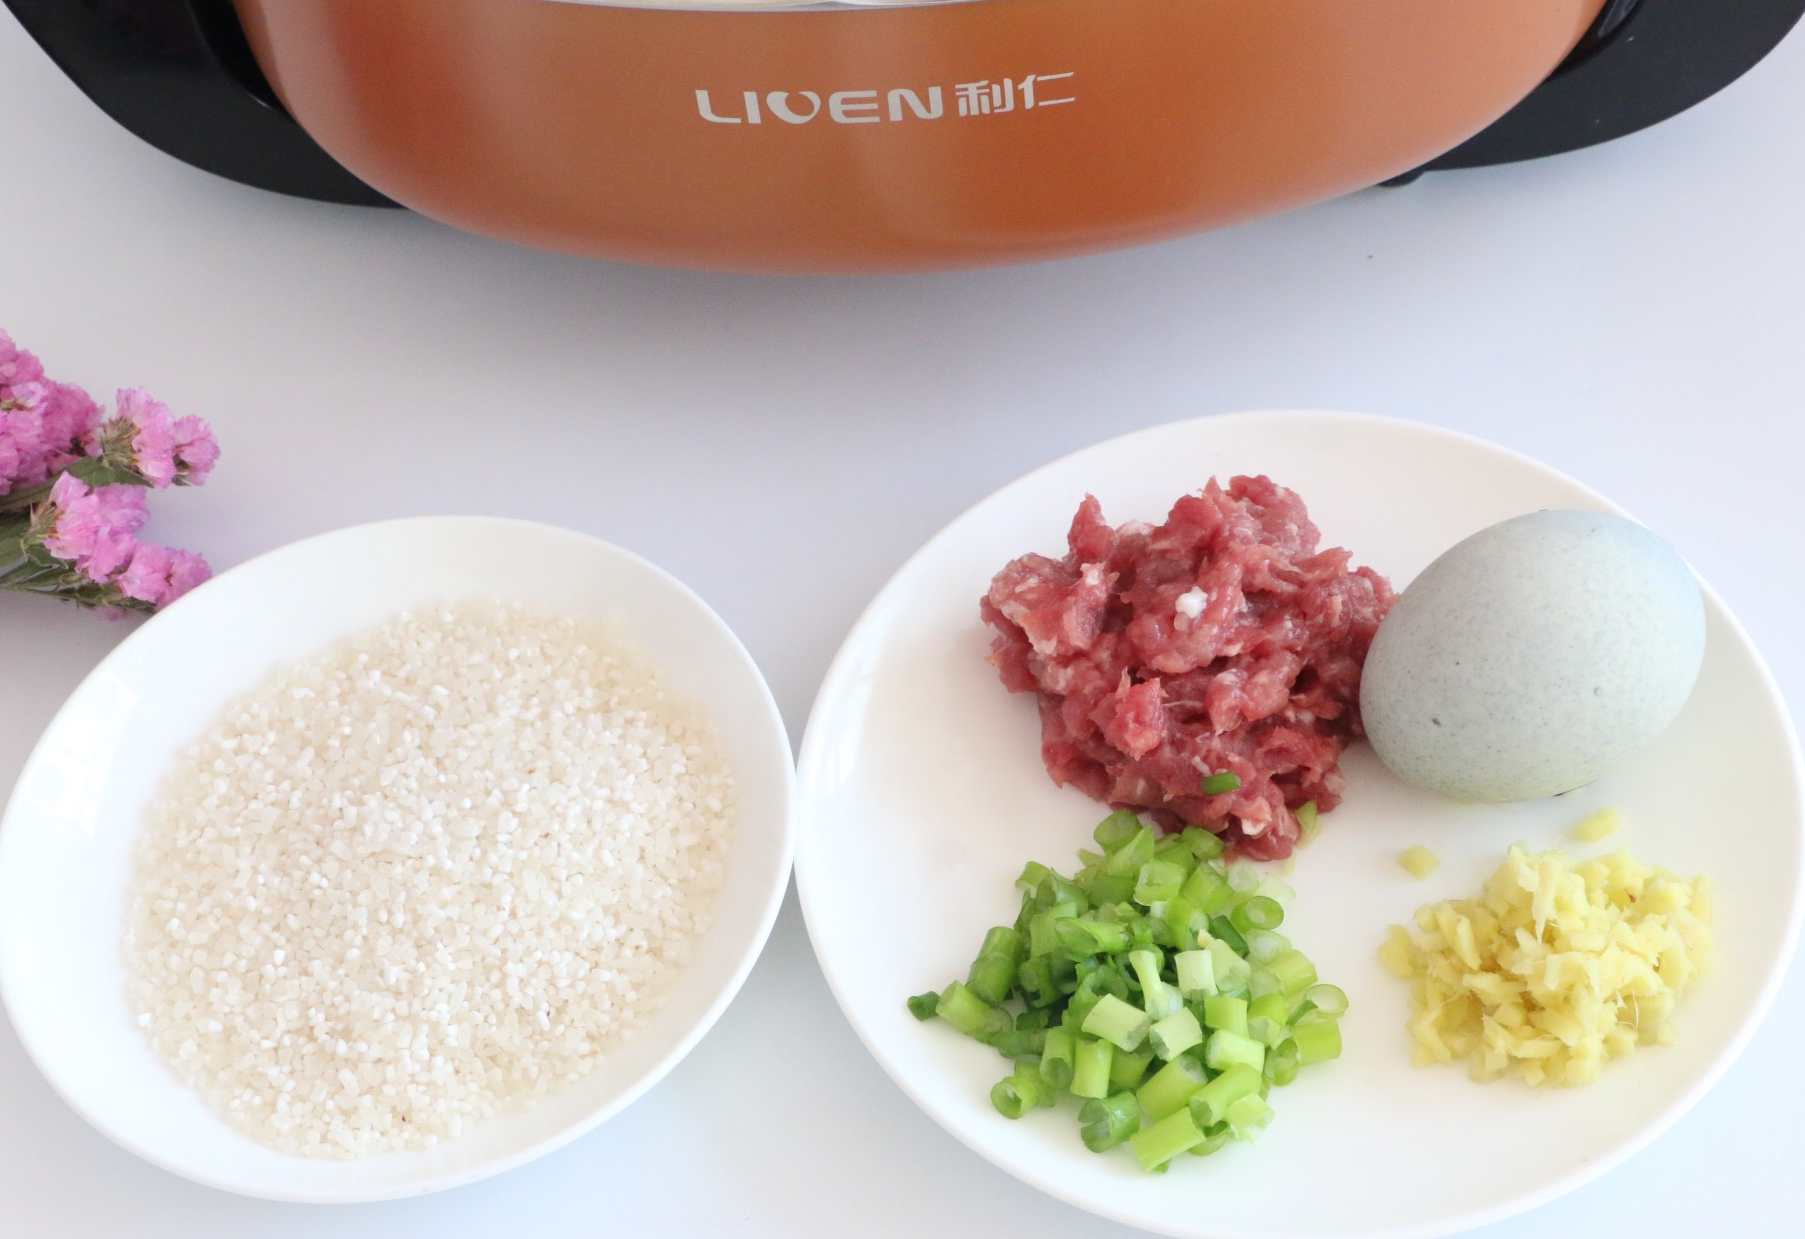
{"x": 196, "y": 450}
{"x": 159, "y": 575}
{"x": 70, "y": 417}
{"x": 17, "y": 367}
{"x": 151, "y": 452}
{"x": 93, "y": 528}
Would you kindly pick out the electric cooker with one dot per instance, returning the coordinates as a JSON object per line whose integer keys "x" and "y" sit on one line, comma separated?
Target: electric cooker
{"x": 880, "y": 136}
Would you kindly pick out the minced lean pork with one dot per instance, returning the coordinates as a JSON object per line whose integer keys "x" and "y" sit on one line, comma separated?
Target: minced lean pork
{"x": 1222, "y": 640}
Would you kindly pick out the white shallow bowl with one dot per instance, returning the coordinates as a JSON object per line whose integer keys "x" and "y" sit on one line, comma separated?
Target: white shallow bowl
{"x": 65, "y": 847}
{"x": 922, "y": 794}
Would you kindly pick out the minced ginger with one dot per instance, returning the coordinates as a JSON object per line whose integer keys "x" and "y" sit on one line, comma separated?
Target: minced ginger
{"x": 1556, "y": 969}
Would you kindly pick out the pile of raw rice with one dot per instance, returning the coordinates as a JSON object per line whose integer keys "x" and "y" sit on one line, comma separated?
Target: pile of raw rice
{"x": 424, "y": 877}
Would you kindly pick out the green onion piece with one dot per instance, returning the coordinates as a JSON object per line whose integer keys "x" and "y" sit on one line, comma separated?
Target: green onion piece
{"x": 1127, "y": 1069}
{"x": 1175, "y": 1034}
{"x": 1282, "y": 1063}
{"x": 1159, "y": 999}
{"x": 924, "y": 1006}
{"x": 992, "y": 977}
{"x": 1158, "y": 880}
{"x": 1015, "y": 1095}
{"x": 1081, "y": 938}
{"x": 1226, "y": 1048}
{"x": 1264, "y": 946}
{"x": 1317, "y": 1043}
{"x": 1196, "y": 973}
{"x": 1209, "y": 1104}
{"x": 1043, "y": 938}
{"x": 1116, "y": 829}
{"x": 1109, "y": 888}
{"x": 1243, "y": 877}
{"x": 1166, "y": 1139}
{"x": 1183, "y": 920}
{"x": 1137, "y": 851}
{"x": 1036, "y": 981}
{"x": 1258, "y": 912}
{"x": 1309, "y": 824}
{"x": 1170, "y": 1087}
{"x": 1056, "y": 891}
{"x": 1294, "y": 971}
{"x": 1213, "y": 1138}
{"x": 1269, "y": 1019}
{"x": 1090, "y": 1068}
{"x": 1224, "y": 931}
{"x": 1119, "y": 1023}
{"x": 1015, "y": 1043}
{"x": 1276, "y": 889}
{"x": 1033, "y": 874}
{"x": 1034, "y": 1019}
{"x": 970, "y": 1014}
{"x": 1249, "y": 1116}
{"x": 1056, "y": 1057}
{"x": 1207, "y": 890}
{"x": 1329, "y": 1000}
{"x": 1220, "y": 782}
{"x": 1109, "y": 1120}
{"x": 1203, "y": 845}
{"x": 1002, "y": 940}
{"x": 1231, "y": 970}
{"x": 1263, "y": 982}
{"x": 1228, "y": 1014}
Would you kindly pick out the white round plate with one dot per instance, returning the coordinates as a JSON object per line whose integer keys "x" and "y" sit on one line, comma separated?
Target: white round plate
{"x": 66, "y": 845}
{"x": 921, "y": 795}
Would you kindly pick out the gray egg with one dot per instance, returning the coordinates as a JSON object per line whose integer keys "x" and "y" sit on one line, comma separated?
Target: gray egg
{"x": 1533, "y": 656}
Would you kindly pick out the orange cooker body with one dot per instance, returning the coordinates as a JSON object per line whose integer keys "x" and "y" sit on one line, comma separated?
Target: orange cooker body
{"x": 891, "y": 139}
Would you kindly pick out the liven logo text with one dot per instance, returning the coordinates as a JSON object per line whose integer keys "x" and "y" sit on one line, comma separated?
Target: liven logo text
{"x": 871, "y": 107}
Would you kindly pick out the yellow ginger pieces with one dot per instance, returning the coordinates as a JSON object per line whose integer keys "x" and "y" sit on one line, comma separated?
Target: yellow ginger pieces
{"x": 1556, "y": 969}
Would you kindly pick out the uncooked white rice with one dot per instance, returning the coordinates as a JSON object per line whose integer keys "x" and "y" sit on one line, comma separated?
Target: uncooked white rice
{"x": 424, "y": 877}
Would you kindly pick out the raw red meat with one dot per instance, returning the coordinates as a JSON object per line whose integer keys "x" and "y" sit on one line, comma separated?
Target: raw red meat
{"x": 1220, "y": 640}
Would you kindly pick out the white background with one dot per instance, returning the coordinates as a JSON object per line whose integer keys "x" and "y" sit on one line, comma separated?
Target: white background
{"x": 1633, "y": 314}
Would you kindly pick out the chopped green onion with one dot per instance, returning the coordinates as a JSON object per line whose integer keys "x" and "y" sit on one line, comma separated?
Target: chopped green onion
{"x": 1207, "y": 890}
{"x": 992, "y": 976}
{"x": 1309, "y": 823}
{"x": 1056, "y": 1057}
{"x": 1276, "y": 889}
{"x": 1329, "y": 1000}
{"x": 924, "y": 1006}
{"x": 1318, "y": 1042}
{"x": 1222, "y": 929}
{"x": 1282, "y": 1063}
{"x": 1090, "y": 1068}
{"x": 1213, "y": 1138}
{"x": 1109, "y": 888}
{"x": 1137, "y": 851}
{"x": 1119, "y": 1023}
{"x": 1015, "y": 1095}
{"x": 1196, "y": 973}
{"x": 1175, "y": 1034}
{"x": 1002, "y": 940}
{"x": 1166, "y": 1139}
{"x": 1209, "y": 1104}
{"x": 1056, "y": 891}
{"x": 1258, "y": 912}
{"x": 1036, "y": 981}
{"x": 1226, "y": 1048}
{"x": 1220, "y": 782}
{"x": 1262, "y": 983}
{"x": 1244, "y": 877}
{"x": 1264, "y": 946}
{"x": 970, "y": 1014}
{"x": 1294, "y": 971}
{"x": 1170, "y": 1087}
{"x": 1249, "y": 1116}
{"x": 1033, "y": 874}
{"x": 1109, "y": 1120}
{"x": 1158, "y": 880}
{"x": 1231, "y": 970}
{"x": 1080, "y": 938}
{"x": 1159, "y": 999}
{"x": 1116, "y": 829}
{"x": 1269, "y": 1019}
{"x": 1034, "y": 1019}
{"x": 1015, "y": 1043}
{"x": 1043, "y": 937}
{"x": 1225, "y": 1013}
{"x": 1127, "y": 1069}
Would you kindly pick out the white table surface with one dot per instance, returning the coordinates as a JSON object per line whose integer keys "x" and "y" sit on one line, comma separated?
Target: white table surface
{"x": 1633, "y": 314}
